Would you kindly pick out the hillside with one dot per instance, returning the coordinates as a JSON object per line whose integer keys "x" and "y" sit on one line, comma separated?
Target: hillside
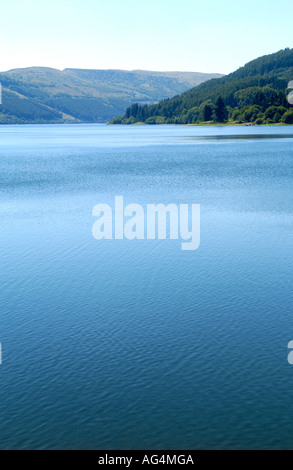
{"x": 44, "y": 95}
{"x": 256, "y": 93}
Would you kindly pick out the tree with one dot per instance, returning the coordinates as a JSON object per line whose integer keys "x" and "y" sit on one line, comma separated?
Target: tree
{"x": 207, "y": 113}
{"x": 221, "y": 110}
{"x": 288, "y": 117}
{"x": 260, "y": 100}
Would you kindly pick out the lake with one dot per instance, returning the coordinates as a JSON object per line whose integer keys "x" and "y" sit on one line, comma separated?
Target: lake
{"x": 119, "y": 344}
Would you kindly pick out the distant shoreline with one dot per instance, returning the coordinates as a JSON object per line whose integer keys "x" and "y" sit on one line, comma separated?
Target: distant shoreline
{"x": 228, "y": 124}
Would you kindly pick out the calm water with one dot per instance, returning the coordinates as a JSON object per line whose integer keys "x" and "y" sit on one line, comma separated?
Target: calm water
{"x": 138, "y": 345}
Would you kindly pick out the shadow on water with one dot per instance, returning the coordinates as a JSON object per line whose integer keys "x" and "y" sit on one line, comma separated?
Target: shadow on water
{"x": 239, "y": 137}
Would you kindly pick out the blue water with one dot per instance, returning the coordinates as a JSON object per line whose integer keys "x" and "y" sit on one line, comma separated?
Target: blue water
{"x": 136, "y": 344}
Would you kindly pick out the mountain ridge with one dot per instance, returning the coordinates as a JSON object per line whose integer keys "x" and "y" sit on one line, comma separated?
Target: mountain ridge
{"x": 44, "y": 94}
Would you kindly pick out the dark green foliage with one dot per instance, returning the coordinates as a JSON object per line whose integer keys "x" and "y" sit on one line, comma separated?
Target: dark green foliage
{"x": 207, "y": 113}
{"x": 246, "y": 95}
{"x": 117, "y": 120}
{"x": 221, "y": 112}
{"x": 271, "y": 112}
{"x": 251, "y": 113}
{"x": 288, "y": 117}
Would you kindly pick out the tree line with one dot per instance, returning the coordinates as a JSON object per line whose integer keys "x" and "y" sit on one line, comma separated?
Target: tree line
{"x": 256, "y": 93}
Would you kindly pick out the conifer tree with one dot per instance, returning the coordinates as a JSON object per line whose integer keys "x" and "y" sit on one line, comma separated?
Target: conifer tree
{"x": 207, "y": 113}
{"x": 221, "y": 110}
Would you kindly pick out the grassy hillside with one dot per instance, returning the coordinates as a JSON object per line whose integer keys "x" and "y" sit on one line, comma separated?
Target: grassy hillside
{"x": 40, "y": 95}
{"x": 256, "y": 93}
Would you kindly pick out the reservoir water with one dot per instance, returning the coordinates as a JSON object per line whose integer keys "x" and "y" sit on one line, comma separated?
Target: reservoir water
{"x": 119, "y": 344}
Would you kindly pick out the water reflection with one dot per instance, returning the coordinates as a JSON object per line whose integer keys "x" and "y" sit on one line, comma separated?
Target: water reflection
{"x": 238, "y": 137}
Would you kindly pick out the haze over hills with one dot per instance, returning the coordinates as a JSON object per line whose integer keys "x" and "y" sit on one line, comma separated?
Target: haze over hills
{"x": 45, "y": 95}
{"x": 255, "y": 93}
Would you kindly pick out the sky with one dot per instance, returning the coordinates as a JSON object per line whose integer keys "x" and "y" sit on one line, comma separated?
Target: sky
{"x": 215, "y": 36}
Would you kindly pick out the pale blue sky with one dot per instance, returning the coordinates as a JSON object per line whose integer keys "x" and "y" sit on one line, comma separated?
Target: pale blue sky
{"x": 179, "y": 35}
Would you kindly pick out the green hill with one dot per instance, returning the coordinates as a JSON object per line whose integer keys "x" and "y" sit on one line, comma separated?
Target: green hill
{"x": 44, "y": 95}
{"x": 256, "y": 93}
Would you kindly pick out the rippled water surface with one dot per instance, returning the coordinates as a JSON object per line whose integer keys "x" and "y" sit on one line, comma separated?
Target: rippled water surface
{"x": 137, "y": 344}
